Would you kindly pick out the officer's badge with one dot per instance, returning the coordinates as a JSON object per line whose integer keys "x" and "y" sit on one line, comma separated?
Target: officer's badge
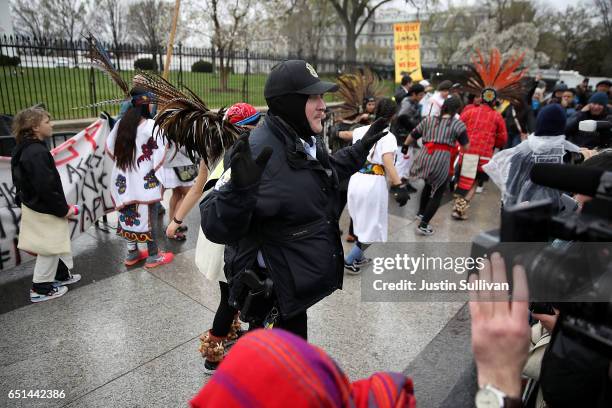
{"x": 311, "y": 70}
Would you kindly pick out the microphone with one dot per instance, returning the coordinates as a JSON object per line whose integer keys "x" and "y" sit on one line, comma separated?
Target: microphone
{"x": 570, "y": 178}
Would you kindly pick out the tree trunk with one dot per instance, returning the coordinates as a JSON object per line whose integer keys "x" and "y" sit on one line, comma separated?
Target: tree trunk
{"x": 223, "y": 71}
{"x": 118, "y": 55}
{"x": 351, "y": 49}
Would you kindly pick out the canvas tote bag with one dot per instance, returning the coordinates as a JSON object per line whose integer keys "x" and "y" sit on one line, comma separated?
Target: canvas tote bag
{"x": 43, "y": 234}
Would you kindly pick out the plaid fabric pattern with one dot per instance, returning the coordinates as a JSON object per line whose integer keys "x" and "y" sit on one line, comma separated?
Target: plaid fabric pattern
{"x": 486, "y": 130}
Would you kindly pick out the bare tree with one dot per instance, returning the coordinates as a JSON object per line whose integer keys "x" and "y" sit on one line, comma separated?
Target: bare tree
{"x": 304, "y": 24}
{"x": 30, "y": 20}
{"x": 67, "y": 16}
{"x": 450, "y": 28}
{"x": 114, "y": 15}
{"x": 507, "y": 13}
{"x": 354, "y": 15}
{"x": 605, "y": 12}
{"x": 149, "y": 23}
{"x": 571, "y": 37}
{"x": 227, "y": 29}
{"x": 497, "y": 8}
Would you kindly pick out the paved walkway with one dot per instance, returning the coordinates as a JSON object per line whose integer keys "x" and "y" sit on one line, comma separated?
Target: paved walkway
{"x": 129, "y": 338}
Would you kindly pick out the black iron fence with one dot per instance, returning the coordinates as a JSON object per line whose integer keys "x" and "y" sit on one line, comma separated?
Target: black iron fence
{"x": 58, "y": 73}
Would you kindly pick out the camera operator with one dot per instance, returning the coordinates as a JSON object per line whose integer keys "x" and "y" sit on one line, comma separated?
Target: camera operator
{"x": 572, "y": 374}
{"x": 597, "y": 110}
{"x": 569, "y": 373}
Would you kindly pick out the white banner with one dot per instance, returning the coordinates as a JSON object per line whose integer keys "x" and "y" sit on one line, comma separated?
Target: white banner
{"x": 85, "y": 171}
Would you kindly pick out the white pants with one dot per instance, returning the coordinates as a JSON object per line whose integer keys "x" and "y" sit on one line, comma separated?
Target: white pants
{"x": 46, "y": 266}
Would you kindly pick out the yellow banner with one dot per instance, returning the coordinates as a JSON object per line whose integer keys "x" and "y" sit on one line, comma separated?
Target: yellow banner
{"x": 407, "y": 43}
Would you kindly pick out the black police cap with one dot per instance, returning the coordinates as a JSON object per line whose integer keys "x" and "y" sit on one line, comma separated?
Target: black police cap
{"x": 295, "y": 76}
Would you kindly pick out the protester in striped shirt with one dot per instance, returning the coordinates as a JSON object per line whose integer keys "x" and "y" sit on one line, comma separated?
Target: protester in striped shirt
{"x": 433, "y": 162}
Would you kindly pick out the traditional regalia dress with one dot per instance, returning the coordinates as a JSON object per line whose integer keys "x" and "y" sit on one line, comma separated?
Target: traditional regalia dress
{"x": 134, "y": 190}
{"x": 493, "y": 80}
{"x": 368, "y": 197}
{"x": 173, "y": 168}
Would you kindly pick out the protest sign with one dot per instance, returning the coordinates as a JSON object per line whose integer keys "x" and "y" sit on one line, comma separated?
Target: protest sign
{"x": 85, "y": 171}
{"x": 406, "y": 41}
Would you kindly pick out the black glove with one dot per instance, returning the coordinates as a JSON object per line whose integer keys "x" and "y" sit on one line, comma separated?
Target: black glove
{"x": 246, "y": 171}
{"x": 405, "y": 149}
{"x": 374, "y": 133}
{"x": 400, "y": 194}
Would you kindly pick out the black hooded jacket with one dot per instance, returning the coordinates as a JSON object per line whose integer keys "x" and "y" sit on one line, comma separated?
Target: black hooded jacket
{"x": 291, "y": 216}
{"x": 36, "y": 178}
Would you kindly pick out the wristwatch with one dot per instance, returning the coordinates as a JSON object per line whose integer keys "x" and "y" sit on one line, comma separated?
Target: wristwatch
{"x": 491, "y": 397}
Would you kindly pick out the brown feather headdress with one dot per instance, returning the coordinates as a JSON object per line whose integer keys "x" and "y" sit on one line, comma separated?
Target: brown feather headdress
{"x": 101, "y": 60}
{"x": 496, "y": 79}
{"x": 354, "y": 88}
{"x": 184, "y": 119}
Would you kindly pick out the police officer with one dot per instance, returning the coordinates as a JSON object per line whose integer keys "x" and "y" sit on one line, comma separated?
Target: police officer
{"x": 277, "y": 204}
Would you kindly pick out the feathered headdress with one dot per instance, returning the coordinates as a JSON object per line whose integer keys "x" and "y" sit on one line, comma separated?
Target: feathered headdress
{"x": 354, "y": 88}
{"x": 496, "y": 79}
{"x": 101, "y": 60}
{"x": 182, "y": 117}
{"x": 185, "y": 120}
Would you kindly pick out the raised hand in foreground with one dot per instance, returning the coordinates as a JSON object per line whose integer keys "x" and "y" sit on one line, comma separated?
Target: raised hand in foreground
{"x": 500, "y": 328}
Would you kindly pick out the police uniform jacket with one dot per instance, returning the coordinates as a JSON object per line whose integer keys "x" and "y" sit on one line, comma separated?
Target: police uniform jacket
{"x": 291, "y": 216}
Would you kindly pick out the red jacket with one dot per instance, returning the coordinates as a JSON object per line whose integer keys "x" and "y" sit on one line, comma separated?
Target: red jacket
{"x": 486, "y": 130}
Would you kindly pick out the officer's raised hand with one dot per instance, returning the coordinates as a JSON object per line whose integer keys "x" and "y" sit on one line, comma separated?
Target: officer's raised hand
{"x": 246, "y": 171}
{"x": 375, "y": 132}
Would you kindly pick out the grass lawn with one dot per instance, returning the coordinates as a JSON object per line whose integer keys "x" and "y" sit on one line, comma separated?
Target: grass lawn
{"x": 62, "y": 89}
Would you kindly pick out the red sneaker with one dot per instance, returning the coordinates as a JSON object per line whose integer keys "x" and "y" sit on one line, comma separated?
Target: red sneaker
{"x": 162, "y": 258}
{"x": 135, "y": 256}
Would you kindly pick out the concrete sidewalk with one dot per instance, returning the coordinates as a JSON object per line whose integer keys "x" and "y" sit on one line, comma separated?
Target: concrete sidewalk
{"x": 129, "y": 338}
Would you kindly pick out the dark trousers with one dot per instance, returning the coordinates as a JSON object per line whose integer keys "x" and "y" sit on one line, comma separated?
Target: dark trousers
{"x": 297, "y": 325}
{"x": 224, "y": 316}
{"x": 429, "y": 205}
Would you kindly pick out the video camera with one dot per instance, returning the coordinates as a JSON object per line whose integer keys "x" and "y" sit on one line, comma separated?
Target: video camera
{"x": 567, "y": 257}
{"x": 594, "y": 125}
{"x": 597, "y": 132}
